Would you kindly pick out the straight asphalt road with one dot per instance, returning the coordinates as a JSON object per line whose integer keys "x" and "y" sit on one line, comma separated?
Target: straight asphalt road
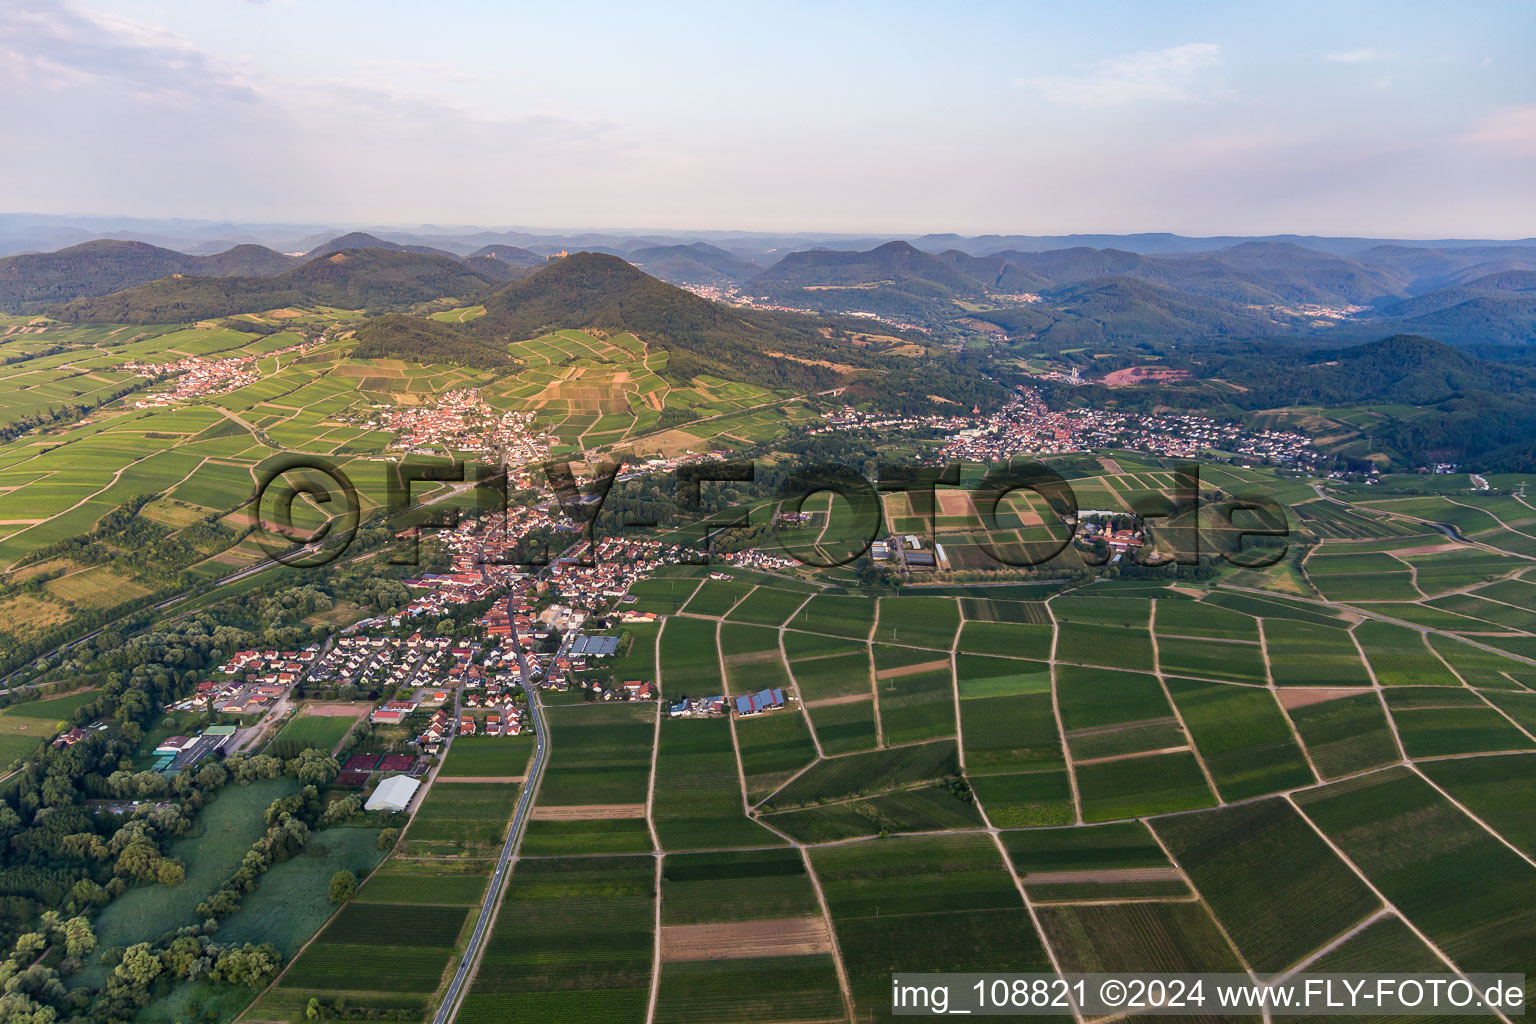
{"x": 471, "y": 958}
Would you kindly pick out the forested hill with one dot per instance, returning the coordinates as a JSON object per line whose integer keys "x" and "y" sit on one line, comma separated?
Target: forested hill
{"x": 1431, "y": 402}
{"x": 511, "y": 254}
{"x": 697, "y": 263}
{"x": 351, "y": 278}
{"x": 594, "y": 290}
{"x": 1403, "y": 369}
{"x": 420, "y": 340}
{"x": 31, "y": 282}
{"x": 363, "y": 240}
{"x": 1462, "y": 295}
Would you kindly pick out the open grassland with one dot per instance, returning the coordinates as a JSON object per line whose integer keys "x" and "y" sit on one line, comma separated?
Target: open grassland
{"x": 212, "y": 851}
{"x": 322, "y": 732}
{"x": 294, "y": 900}
{"x": 25, "y": 725}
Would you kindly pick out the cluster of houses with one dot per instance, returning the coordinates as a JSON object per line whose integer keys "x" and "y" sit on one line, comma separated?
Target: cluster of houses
{"x": 697, "y": 707}
{"x": 199, "y": 376}
{"x": 257, "y": 678}
{"x": 848, "y": 418}
{"x": 631, "y": 689}
{"x": 459, "y": 420}
{"x": 1122, "y": 533}
{"x": 505, "y": 720}
{"x": 771, "y": 699}
{"x": 381, "y": 660}
{"x": 195, "y": 378}
{"x": 1027, "y": 426}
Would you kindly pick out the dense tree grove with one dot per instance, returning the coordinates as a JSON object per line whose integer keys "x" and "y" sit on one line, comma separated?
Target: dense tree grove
{"x": 66, "y": 859}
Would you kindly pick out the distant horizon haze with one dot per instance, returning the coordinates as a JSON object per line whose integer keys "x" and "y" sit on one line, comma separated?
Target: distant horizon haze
{"x": 1400, "y": 120}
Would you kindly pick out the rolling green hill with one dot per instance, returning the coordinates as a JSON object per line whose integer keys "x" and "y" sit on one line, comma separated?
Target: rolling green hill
{"x": 31, "y": 282}
{"x": 363, "y": 240}
{"x": 594, "y": 290}
{"x": 697, "y": 263}
{"x": 1430, "y": 401}
{"x": 418, "y": 339}
{"x": 352, "y": 279}
{"x": 1402, "y": 369}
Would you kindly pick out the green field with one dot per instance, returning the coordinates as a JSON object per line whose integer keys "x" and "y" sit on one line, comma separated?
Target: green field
{"x": 1130, "y": 788}
{"x": 1276, "y": 887}
{"x": 1311, "y": 654}
{"x": 599, "y": 754}
{"x": 1243, "y": 738}
{"x": 573, "y": 943}
{"x": 1466, "y": 891}
{"x": 487, "y": 757}
{"x": 767, "y": 606}
{"x": 1346, "y": 735}
{"x": 322, "y": 732}
{"x": 212, "y": 851}
{"x": 1092, "y": 863}
{"x": 939, "y": 901}
{"x": 698, "y": 802}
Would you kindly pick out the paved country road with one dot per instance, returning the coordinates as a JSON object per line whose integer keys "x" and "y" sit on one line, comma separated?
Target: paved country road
{"x": 471, "y": 958}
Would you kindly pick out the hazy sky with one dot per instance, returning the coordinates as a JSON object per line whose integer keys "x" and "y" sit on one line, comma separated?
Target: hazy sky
{"x": 1388, "y": 119}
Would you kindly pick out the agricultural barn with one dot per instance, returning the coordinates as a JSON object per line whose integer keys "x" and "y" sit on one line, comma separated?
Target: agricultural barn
{"x": 393, "y": 794}
{"x": 762, "y": 700}
{"x": 594, "y": 646}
